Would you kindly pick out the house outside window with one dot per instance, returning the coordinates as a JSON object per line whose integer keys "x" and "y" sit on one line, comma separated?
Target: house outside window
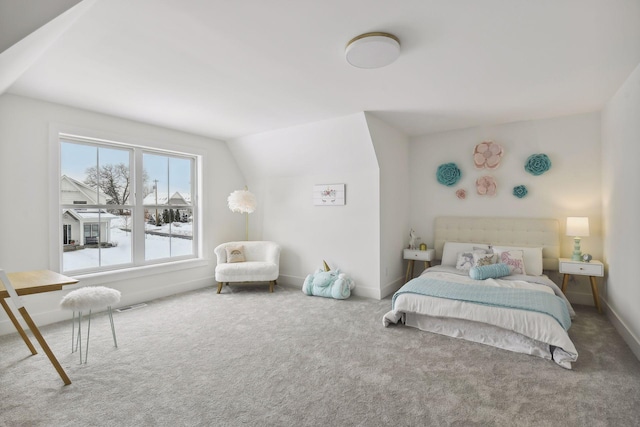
{"x": 124, "y": 205}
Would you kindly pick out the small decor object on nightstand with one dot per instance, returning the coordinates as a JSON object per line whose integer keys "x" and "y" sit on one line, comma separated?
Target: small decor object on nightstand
{"x": 423, "y": 246}
{"x": 413, "y": 239}
{"x": 587, "y": 257}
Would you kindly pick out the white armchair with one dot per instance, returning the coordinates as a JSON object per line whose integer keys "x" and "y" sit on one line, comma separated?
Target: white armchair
{"x": 261, "y": 263}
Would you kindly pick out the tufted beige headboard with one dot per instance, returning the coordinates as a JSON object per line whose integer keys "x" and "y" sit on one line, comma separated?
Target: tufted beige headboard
{"x": 532, "y": 232}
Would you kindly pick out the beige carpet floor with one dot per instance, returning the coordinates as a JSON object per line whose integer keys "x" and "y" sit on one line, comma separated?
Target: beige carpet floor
{"x": 250, "y": 358}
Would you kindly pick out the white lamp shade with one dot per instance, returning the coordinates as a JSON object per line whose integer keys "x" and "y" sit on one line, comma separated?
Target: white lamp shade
{"x": 242, "y": 201}
{"x": 372, "y": 50}
{"x": 577, "y": 226}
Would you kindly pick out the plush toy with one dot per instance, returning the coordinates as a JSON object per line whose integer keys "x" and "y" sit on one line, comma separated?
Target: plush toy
{"x": 329, "y": 284}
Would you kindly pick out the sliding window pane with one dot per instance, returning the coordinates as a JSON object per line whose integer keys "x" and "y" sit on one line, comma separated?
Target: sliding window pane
{"x": 168, "y": 207}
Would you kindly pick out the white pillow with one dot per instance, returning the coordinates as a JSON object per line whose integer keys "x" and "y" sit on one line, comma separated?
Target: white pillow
{"x": 480, "y": 260}
{"x": 451, "y": 249}
{"x": 532, "y": 257}
{"x": 514, "y": 259}
{"x": 465, "y": 259}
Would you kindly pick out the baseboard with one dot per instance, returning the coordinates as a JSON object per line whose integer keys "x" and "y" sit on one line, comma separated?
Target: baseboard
{"x": 629, "y": 337}
{"x": 580, "y": 298}
{"x": 390, "y": 288}
{"x": 297, "y": 282}
{"x": 55, "y": 314}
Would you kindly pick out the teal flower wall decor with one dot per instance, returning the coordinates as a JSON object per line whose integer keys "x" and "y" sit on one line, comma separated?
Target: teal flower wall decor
{"x": 520, "y": 191}
{"x": 448, "y": 174}
{"x": 537, "y": 164}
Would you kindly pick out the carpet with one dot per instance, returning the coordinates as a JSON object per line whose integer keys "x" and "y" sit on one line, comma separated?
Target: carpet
{"x": 247, "y": 357}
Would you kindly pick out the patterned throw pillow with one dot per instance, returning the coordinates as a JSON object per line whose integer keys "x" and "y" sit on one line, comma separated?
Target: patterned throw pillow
{"x": 235, "y": 253}
{"x": 483, "y": 259}
{"x": 515, "y": 260}
{"x": 465, "y": 259}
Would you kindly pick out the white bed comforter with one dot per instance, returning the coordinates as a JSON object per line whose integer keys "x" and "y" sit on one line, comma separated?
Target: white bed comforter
{"x": 539, "y": 327}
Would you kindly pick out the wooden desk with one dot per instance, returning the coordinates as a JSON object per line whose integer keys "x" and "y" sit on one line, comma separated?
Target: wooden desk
{"x": 28, "y": 283}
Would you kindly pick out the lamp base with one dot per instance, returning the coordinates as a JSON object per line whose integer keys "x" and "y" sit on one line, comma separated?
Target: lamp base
{"x": 577, "y": 255}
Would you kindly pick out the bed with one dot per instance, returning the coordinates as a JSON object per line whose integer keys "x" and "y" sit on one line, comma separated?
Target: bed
{"x": 490, "y": 287}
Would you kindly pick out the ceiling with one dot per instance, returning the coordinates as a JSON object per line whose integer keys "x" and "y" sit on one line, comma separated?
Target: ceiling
{"x": 226, "y": 69}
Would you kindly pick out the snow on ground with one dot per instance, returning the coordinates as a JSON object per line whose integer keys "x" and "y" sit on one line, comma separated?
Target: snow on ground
{"x": 156, "y": 247}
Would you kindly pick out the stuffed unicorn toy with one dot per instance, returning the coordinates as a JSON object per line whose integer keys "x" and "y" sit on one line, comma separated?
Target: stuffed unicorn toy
{"x": 328, "y": 283}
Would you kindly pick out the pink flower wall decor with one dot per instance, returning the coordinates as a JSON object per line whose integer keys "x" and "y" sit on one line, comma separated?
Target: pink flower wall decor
{"x": 461, "y": 194}
{"x": 486, "y": 186}
{"x": 487, "y": 155}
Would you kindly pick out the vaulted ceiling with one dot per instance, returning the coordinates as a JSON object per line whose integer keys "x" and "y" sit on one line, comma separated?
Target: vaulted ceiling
{"x": 225, "y": 69}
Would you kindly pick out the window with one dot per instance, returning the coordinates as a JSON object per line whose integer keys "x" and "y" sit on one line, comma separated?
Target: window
{"x": 125, "y": 205}
{"x": 66, "y": 234}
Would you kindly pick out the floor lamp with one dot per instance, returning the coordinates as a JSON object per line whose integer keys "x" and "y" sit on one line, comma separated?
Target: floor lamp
{"x": 243, "y": 201}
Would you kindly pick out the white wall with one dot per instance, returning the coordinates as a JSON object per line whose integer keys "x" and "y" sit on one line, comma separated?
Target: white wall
{"x": 621, "y": 207}
{"x": 24, "y": 188}
{"x": 392, "y": 151}
{"x": 282, "y": 167}
{"x": 572, "y": 187}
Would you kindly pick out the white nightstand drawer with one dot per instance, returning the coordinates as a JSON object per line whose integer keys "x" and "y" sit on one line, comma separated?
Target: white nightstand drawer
{"x": 416, "y": 255}
{"x": 593, "y": 268}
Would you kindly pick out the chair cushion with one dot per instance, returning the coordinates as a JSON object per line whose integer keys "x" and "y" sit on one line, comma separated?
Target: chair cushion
{"x": 90, "y": 297}
{"x": 249, "y": 271}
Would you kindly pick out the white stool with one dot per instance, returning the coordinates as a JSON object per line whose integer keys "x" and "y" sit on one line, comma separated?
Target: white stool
{"x": 89, "y": 298}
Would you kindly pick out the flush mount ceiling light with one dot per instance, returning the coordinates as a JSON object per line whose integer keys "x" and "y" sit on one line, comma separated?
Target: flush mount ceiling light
{"x": 372, "y": 50}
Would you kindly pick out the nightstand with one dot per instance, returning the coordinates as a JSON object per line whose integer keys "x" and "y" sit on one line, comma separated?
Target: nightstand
{"x": 415, "y": 255}
{"x": 592, "y": 269}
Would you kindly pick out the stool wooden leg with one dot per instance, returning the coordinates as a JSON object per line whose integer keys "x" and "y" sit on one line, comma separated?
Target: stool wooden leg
{"x": 16, "y": 324}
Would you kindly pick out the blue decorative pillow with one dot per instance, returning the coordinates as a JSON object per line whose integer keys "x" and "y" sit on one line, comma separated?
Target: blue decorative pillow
{"x": 489, "y": 271}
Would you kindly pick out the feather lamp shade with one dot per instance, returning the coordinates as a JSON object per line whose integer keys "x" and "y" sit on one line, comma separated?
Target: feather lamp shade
{"x": 243, "y": 201}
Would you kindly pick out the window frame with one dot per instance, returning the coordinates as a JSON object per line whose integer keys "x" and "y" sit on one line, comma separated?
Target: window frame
{"x": 138, "y": 266}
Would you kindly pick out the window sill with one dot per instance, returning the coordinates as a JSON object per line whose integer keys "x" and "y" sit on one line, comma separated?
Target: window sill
{"x": 102, "y": 277}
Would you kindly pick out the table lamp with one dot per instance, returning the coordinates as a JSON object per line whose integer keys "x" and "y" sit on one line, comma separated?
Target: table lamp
{"x": 577, "y": 226}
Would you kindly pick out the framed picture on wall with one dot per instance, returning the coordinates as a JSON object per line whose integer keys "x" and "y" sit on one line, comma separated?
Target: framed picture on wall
{"x": 329, "y": 195}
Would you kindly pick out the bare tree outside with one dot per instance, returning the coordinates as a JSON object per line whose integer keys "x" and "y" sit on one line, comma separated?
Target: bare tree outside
{"x": 114, "y": 181}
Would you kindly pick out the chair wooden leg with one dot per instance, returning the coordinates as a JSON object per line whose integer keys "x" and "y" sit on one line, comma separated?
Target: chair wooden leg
{"x": 271, "y": 283}
{"x": 44, "y": 345}
{"x": 16, "y": 324}
{"x": 219, "y": 286}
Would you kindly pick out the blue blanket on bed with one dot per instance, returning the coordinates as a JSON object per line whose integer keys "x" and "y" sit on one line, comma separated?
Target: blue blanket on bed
{"x": 522, "y": 299}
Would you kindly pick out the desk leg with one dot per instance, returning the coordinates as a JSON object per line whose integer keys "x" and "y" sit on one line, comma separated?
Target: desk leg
{"x": 409, "y": 274}
{"x": 16, "y": 324}
{"x": 565, "y": 280}
{"x": 594, "y": 291}
{"x": 44, "y": 345}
